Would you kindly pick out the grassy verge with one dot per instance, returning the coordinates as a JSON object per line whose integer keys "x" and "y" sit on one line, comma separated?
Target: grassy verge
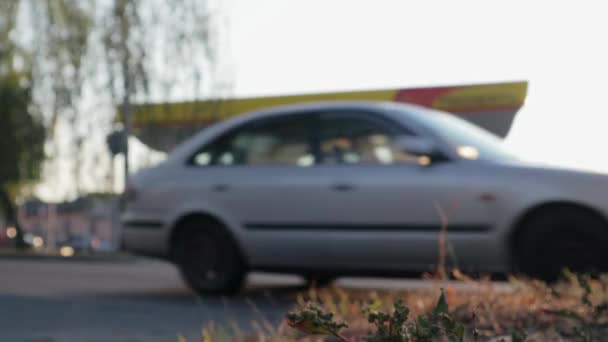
{"x": 575, "y": 309}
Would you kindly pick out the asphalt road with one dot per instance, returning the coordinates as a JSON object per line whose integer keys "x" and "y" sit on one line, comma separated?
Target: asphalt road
{"x": 141, "y": 300}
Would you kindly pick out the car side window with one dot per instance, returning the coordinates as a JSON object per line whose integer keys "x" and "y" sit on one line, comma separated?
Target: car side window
{"x": 285, "y": 140}
{"x": 357, "y": 138}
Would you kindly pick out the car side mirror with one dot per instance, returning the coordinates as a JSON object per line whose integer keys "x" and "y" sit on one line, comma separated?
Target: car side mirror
{"x": 417, "y": 146}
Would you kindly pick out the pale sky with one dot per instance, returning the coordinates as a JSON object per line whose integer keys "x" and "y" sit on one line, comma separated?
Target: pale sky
{"x": 560, "y": 47}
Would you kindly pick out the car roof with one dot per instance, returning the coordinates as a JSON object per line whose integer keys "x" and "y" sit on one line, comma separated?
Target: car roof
{"x": 327, "y": 105}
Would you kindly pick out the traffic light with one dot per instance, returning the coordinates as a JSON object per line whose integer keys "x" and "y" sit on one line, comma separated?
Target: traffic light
{"x": 116, "y": 142}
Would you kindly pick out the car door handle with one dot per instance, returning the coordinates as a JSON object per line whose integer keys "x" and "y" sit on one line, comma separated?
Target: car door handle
{"x": 342, "y": 187}
{"x": 220, "y": 187}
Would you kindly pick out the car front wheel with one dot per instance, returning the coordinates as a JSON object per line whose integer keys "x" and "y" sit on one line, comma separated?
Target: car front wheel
{"x": 567, "y": 238}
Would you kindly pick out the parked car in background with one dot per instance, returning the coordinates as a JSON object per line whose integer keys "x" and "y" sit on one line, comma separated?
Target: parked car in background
{"x": 77, "y": 243}
{"x": 356, "y": 188}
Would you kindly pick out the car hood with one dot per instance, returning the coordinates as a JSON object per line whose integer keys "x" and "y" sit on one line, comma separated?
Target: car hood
{"x": 539, "y": 168}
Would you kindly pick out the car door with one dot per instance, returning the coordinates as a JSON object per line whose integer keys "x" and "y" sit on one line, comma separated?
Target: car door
{"x": 383, "y": 203}
{"x": 263, "y": 174}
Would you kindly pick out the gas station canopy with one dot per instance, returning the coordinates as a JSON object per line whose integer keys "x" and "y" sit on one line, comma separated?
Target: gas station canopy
{"x": 492, "y": 106}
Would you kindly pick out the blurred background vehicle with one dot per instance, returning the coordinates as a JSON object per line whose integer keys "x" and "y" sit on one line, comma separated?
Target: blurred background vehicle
{"x": 341, "y": 188}
{"x": 79, "y": 244}
{"x": 88, "y": 223}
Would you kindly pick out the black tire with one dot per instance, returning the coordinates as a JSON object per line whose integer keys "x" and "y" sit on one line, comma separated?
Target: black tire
{"x": 562, "y": 238}
{"x": 318, "y": 281}
{"x": 208, "y": 258}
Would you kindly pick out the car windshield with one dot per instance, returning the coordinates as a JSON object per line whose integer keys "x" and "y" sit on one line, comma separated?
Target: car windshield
{"x": 466, "y": 139}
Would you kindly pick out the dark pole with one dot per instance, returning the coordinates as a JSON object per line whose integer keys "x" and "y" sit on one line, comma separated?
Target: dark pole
{"x": 126, "y": 105}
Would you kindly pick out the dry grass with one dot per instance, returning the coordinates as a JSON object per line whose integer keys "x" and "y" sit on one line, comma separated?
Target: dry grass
{"x": 493, "y": 311}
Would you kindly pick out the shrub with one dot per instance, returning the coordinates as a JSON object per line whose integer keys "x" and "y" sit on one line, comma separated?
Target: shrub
{"x": 576, "y": 310}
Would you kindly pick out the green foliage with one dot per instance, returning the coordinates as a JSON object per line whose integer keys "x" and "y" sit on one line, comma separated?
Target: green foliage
{"x": 442, "y": 305}
{"x": 389, "y": 327}
{"x": 517, "y": 336}
{"x": 423, "y": 330}
{"x": 395, "y": 327}
{"x": 313, "y": 320}
{"x": 22, "y": 133}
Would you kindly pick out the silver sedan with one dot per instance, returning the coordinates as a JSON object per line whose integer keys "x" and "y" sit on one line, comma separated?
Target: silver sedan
{"x": 355, "y": 188}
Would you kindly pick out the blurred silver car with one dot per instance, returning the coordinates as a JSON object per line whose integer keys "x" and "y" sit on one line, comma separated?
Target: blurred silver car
{"x": 358, "y": 188}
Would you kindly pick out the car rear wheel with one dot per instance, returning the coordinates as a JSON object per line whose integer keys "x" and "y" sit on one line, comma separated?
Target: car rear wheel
{"x": 208, "y": 258}
{"x": 565, "y": 238}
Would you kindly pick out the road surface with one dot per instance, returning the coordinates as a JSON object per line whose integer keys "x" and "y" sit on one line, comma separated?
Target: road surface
{"x": 141, "y": 300}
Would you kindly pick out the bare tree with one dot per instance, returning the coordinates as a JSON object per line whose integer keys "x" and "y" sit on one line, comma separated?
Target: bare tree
{"x": 89, "y": 57}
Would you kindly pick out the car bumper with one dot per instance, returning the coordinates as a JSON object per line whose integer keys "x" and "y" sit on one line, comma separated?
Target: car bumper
{"x": 144, "y": 237}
